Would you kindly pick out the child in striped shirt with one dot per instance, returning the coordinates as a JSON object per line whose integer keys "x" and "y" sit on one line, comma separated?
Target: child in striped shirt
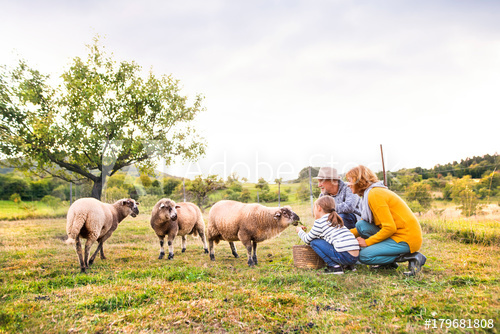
{"x": 330, "y": 239}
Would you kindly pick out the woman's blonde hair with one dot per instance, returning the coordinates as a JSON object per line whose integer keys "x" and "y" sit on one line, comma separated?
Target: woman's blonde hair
{"x": 327, "y": 203}
{"x": 362, "y": 178}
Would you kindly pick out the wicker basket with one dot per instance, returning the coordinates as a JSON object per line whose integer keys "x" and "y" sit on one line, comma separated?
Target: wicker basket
{"x": 306, "y": 258}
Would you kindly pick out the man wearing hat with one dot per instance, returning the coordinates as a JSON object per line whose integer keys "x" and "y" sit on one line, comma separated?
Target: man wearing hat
{"x": 346, "y": 203}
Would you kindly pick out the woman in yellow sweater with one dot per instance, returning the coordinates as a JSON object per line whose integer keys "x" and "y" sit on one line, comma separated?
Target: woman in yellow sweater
{"x": 388, "y": 231}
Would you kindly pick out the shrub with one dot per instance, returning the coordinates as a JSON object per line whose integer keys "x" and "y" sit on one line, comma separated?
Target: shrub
{"x": 51, "y": 201}
{"x": 113, "y": 194}
{"x": 169, "y": 185}
{"x": 60, "y": 192}
{"x": 16, "y": 198}
{"x": 148, "y": 201}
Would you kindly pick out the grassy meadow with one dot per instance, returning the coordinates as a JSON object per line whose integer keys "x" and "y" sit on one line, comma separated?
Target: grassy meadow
{"x": 25, "y": 210}
{"x": 42, "y": 290}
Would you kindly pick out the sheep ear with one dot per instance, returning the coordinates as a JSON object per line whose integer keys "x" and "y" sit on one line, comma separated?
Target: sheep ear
{"x": 277, "y": 215}
{"x": 162, "y": 205}
{"x": 177, "y": 206}
{"x": 137, "y": 203}
{"x": 125, "y": 202}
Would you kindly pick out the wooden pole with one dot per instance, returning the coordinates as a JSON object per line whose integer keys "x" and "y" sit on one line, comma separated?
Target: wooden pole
{"x": 279, "y": 193}
{"x": 184, "y": 189}
{"x": 311, "y": 192}
{"x": 383, "y": 165}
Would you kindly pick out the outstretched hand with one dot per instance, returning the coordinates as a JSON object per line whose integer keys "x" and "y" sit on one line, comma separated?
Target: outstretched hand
{"x": 298, "y": 228}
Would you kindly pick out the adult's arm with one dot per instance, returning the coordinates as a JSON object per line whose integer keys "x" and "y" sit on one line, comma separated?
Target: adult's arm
{"x": 383, "y": 218}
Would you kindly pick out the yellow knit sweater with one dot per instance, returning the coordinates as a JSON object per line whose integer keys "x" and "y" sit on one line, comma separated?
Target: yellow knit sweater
{"x": 395, "y": 219}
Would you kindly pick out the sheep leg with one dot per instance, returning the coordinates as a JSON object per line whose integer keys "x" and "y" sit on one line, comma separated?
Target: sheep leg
{"x": 78, "y": 247}
{"x": 183, "y": 243}
{"x": 88, "y": 244}
{"x": 233, "y": 249}
{"x": 201, "y": 233}
{"x": 248, "y": 245}
{"x": 254, "y": 257}
{"x": 211, "y": 246}
{"x": 99, "y": 248}
{"x": 170, "y": 243}
{"x": 162, "y": 251}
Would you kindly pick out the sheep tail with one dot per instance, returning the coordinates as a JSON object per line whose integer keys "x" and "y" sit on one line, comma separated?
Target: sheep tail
{"x": 70, "y": 241}
{"x": 74, "y": 228}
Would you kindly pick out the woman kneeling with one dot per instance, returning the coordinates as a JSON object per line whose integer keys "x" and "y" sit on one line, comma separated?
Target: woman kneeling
{"x": 389, "y": 232}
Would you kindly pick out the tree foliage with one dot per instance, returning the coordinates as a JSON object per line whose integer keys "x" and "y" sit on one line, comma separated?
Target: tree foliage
{"x": 105, "y": 116}
{"x": 463, "y": 194}
{"x": 421, "y": 193}
{"x": 200, "y": 188}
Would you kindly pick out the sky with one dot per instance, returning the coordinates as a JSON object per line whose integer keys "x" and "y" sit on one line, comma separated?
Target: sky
{"x": 296, "y": 83}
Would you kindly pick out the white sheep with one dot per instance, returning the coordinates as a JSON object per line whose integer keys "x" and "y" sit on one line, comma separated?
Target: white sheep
{"x": 249, "y": 223}
{"x": 93, "y": 220}
{"x": 171, "y": 219}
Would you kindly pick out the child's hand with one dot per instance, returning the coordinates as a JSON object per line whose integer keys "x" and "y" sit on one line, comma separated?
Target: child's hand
{"x": 298, "y": 228}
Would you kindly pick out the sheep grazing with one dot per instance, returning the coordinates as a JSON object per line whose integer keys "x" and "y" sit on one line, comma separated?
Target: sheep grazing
{"x": 249, "y": 223}
{"x": 93, "y": 220}
{"x": 171, "y": 219}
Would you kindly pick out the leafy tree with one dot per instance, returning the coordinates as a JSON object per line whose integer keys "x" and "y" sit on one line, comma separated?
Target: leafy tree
{"x": 262, "y": 185}
{"x": 421, "y": 193}
{"x": 489, "y": 185}
{"x": 201, "y": 187}
{"x": 105, "y": 116}
{"x": 113, "y": 194}
{"x": 169, "y": 185}
{"x": 144, "y": 180}
{"x": 245, "y": 196}
{"x": 463, "y": 193}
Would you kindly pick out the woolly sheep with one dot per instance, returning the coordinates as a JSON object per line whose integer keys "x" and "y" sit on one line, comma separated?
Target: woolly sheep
{"x": 93, "y": 220}
{"x": 249, "y": 223}
{"x": 171, "y": 219}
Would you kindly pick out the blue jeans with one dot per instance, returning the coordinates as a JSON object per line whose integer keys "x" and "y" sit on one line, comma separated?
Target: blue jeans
{"x": 384, "y": 252}
{"x": 332, "y": 258}
{"x": 349, "y": 219}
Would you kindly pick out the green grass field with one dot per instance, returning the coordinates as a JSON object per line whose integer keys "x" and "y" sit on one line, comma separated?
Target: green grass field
{"x": 132, "y": 291}
{"x": 13, "y": 211}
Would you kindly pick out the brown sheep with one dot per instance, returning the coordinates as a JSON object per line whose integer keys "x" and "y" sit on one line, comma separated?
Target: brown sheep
{"x": 93, "y": 220}
{"x": 250, "y": 223}
{"x": 171, "y": 219}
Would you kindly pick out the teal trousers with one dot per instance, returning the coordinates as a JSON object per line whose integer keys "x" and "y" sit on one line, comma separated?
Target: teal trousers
{"x": 384, "y": 252}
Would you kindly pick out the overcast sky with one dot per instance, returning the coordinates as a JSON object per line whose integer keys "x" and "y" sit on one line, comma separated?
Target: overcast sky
{"x": 289, "y": 84}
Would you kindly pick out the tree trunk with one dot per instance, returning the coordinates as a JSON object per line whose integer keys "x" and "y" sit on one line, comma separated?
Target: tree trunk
{"x": 97, "y": 188}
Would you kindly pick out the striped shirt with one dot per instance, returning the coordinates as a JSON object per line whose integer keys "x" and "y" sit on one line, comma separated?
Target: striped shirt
{"x": 340, "y": 237}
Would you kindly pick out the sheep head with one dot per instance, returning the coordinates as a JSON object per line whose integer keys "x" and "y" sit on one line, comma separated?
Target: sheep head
{"x": 287, "y": 215}
{"x": 168, "y": 209}
{"x": 132, "y": 204}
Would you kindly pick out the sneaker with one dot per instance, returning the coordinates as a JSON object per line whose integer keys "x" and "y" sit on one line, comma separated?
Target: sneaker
{"x": 337, "y": 270}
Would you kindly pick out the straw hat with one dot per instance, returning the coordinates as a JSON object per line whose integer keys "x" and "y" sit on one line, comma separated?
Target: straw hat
{"x": 327, "y": 173}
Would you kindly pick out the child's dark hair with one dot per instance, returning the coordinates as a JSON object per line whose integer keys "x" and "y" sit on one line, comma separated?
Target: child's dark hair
{"x": 327, "y": 203}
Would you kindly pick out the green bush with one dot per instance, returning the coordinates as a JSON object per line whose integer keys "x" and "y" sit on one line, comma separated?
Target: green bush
{"x": 114, "y": 194}
{"x": 16, "y": 198}
{"x": 51, "y": 201}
